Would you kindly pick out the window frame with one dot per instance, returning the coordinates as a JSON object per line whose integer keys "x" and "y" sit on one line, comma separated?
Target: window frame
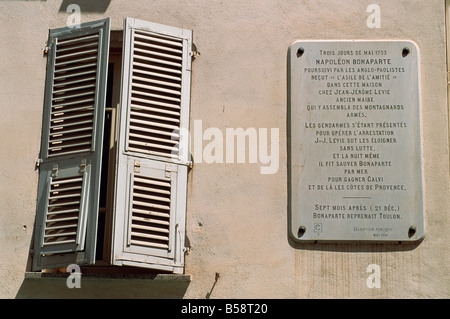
{"x": 179, "y": 165}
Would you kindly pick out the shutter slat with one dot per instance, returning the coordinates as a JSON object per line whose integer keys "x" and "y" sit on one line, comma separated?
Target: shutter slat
{"x": 67, "y": 83}
{"x": 60, "y": 116}
{"x": 138, "y": 202}
{"x": 153, "y": 67}
{"x": 60, "y": 127}
{"x": 152, "y": 220}
{"x": 52, "y": 197}
{"x": 151, "y": 197}
{"x": 153, "y": 124}
{"x": 153, "y": 152}
{"x": 157, "y": 82}
{"x": 158, "y": 54}
{"x": 64, "y": 211}
{"x": 63, "y": 107}
{"x": 62, "y": 146}
{"x": 62, "y": 203}
{"x": 153, "y": 147}
{"x": 155, "y": 117}
{"x": 156, "y": 88}
{"x": 60, "y": 234}
{"x": 170, "y": 134}
{"x": 68, "y": 180}
{"x": 72, "y": 75}
{"x": 77, "y": 67}
{"x": 59, "y": 132}
{"x": 154, "y": 109}
{"x": 69, "y": 62}
{"x": 150, "y": 213}
{"x": 149, "y": 236}
{"x": 61, "y": 219}
{"x": 71, "y": 138}
{"x": 60, "y": 242}
{"x": 70, "y": 55}
{"x": 159, "y": 61}
{"x": 155, "y": 190}
{"x": 77, "y": 47}
{"x": 159, "y": 44}
{"x": 156, "y": 103}
{"x": 137, "y": 226}
{"x": 152, "y": 138}
{"x": 170, "y": 41}
{"x": 156, "y": 96}
{"x": 143, "y": 71}
{"x": 82, "y": 87}
{"x": 145, "y": 243}
{"x": 63, "y": 42}
{"x": 66, "y": 188}
{"x": 77, "y": 95}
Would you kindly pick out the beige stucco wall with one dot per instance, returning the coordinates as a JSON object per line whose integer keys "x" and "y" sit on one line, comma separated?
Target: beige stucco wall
{"x": 237, "y": 217}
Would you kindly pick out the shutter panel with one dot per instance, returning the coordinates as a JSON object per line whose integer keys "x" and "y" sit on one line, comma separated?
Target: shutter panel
{"x": 150, "y": 215}
{"x": 72, "y": 136}
{"x": 150, "y": 208}
{"x": 156, "y": 90}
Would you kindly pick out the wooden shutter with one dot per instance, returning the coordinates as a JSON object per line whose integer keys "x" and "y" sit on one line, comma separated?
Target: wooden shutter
{"x": 152, "y": 162}
{"x": 71, "y": 147}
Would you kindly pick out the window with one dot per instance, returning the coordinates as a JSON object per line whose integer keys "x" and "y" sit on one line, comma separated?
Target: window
{"x": 112, "y": 167}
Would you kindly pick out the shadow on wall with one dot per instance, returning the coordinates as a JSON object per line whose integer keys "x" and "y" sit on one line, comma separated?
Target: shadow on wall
{"x": 98, "y": 6}
{"x": 54, "y": 286}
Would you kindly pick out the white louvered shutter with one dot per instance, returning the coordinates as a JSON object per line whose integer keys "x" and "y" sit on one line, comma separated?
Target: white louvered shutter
{"x": 71, "y": 146}
{"x": 149, "y": 223}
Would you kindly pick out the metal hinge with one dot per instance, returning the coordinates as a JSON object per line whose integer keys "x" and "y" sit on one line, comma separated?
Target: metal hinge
{"x": 55, "y": 170}
{"x": 38, "y": 163}
{"x": 194, "y": 53}
{"x": 45, "y": 51}
{"x": 168, "y": 170}
{"x": 137, "y": 166}
{"x": 83, "y": 166}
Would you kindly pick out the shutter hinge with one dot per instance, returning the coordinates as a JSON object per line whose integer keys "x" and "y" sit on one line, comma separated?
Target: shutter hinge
{"x": 137, "y": 166}
{"x": 194, "y": 53}
{"x": 37, "y": 163}
{"x": 168, "y": 170}
{"x": 55, "y": 170}
{"x": 45, "y": 51}
{"x": 83, "y": 166}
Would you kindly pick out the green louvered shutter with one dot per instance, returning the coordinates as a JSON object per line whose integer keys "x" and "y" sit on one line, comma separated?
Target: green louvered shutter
{"x": 152, "y": 161}
{"x": 71, "y": 146}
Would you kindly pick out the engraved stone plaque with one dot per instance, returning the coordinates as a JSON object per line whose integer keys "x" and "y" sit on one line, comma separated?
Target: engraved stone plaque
{"x": 354, "y": 141}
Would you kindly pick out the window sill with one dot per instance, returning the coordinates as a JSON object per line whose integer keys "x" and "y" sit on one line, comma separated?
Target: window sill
{"x": 44, "y": 285}
{"x": 95, "y": 276}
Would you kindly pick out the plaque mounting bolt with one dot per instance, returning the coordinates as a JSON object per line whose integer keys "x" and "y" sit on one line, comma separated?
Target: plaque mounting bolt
{"x": 301, "y": 231}
{"x": 405, "y": 52}
{"x": 300, "y": 52}
{"x": 411, "y": 231}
